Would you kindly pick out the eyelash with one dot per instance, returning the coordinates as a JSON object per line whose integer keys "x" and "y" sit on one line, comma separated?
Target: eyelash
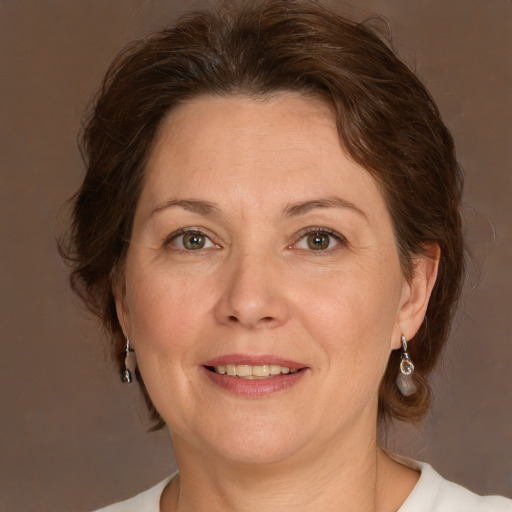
{"x": 188, "y": 231}
{"x": 340, "y": 240}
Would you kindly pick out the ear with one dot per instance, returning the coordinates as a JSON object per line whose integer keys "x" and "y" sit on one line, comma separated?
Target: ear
{"x": 416, "y": 294}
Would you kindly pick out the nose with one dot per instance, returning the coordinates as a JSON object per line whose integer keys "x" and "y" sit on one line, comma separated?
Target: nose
{"x": 253, "y": 293}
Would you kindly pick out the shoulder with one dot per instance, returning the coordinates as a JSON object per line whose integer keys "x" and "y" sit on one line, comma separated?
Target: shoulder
{"x": 433, "y": 493}
{"x": 147, "y": 501}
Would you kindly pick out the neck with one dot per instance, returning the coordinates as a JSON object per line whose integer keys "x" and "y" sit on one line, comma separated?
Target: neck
{"x": 351, "y": 476}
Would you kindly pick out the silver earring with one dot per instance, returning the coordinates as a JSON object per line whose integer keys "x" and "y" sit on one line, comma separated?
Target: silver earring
{"x": 404, "y": 380}
{"x": 126, "y": 374}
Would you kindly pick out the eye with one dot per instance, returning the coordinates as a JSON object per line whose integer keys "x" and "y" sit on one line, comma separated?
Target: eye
{"x": 319, "y": 240}
{"x": 190, "y": 240}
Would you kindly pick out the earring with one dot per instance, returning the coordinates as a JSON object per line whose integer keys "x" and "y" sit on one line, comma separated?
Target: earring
{"x": 404, "y": 380}
{"x": 126, "y": 374}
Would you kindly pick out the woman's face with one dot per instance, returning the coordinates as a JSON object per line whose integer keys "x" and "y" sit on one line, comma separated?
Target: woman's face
{"x": 259, "y": 247}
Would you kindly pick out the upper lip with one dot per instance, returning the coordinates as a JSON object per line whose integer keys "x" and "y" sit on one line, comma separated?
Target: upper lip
{"x": 254, "y": 360}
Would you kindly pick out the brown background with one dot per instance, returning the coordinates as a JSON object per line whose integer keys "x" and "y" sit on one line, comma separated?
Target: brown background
{"x": 73, "y": 437}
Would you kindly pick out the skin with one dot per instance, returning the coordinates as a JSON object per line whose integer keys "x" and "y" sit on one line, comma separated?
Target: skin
{"x": 271, "y": 169}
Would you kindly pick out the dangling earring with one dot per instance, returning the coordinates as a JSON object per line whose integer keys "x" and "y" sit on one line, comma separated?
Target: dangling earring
{"x": 126, "y": 374}
{"x": 404, "y": 379}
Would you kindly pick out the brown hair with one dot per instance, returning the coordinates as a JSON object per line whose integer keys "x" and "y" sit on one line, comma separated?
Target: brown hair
{"x": 387, "y": 122}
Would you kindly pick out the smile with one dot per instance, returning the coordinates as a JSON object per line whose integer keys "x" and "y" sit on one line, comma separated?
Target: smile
{"x": 245, "y": 371}
{"x": 254, "y": 376}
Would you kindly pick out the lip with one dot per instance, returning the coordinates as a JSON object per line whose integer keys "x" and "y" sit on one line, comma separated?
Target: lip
{"x": 254, "y": 360}
{"x": 254, "y": 388}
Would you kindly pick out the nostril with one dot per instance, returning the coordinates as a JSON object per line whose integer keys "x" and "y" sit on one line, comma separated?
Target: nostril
{"x": 265, "y": 319}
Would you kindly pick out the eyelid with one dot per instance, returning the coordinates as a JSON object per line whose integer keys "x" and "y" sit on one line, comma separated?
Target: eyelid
{"x": 187, "y": 231}
{"x": 340, "y": 239}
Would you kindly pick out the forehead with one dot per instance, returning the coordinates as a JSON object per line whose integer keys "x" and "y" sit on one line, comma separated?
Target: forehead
{"x": 226, "y": 126}
{"x": 282, "y": 148}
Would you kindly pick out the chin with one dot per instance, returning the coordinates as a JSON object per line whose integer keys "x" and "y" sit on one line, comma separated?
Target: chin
{"x": 253, "y": 442}
{"x": 259, "y": 450}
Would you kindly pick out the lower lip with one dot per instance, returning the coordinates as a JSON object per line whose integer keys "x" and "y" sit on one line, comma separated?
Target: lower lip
{"x": 255, "y": 388}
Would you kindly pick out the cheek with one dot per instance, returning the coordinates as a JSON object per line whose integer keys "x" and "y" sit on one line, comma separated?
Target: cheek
{"x": 355, "y": 300}
{"x": 165, "y": 311}
{"x": 167, "y": 320}
{"x": 352, "y": 318}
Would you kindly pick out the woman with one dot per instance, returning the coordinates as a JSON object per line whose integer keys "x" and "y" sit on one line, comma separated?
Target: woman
{"x": 270, "y": 215}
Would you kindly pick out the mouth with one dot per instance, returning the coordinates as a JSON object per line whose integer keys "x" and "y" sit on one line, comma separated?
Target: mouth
{"x": 252, "y": 372}
{"x": 254, "y": 376}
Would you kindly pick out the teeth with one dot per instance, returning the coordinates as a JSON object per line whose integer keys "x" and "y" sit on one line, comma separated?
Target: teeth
{"x": 275, "y": 369}
{"x": 246, "y": 371}
{"x": 261, "y": 371}
{"x": 243, "y": 370}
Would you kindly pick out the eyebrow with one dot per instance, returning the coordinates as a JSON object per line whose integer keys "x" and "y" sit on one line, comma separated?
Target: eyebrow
{"x": 292, "y": 210}
{"x": 303, "y": 207}
{"x": 192, "y": 205}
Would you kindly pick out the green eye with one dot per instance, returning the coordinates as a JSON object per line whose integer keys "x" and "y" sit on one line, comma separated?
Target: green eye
{"x": 318, "y": 241}
{"x": 321, "y": 239}
{"x": 189, "y": 241}
{"x": 193, "y": 241}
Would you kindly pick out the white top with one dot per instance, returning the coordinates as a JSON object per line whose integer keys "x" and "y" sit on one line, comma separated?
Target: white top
{"x": 432, "y": 493}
